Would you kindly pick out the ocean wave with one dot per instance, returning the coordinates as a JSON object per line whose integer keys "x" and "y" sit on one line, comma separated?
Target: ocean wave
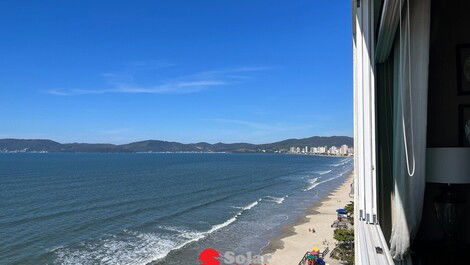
{"x": 196, "y": 236}
{"x": 136, "y": 248}
{"x": 133, "y": 249}
{"x": 342, "y": 162}
{"x": 322, "y": 172}
{"x": 277, "y": 200}
{"x": 251, "y": 205}
{"x": 312, "y": 184}
{"x": 233, "y": 219}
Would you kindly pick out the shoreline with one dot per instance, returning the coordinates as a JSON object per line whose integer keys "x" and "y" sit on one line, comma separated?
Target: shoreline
{"x": 295, "y": 239}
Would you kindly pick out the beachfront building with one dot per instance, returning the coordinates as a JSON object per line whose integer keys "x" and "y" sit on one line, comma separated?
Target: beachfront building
{"x": 333, "y": 150}
{"x": 313, "y": 150}
{"x": 351, "y": 151}
{"x": 305, "y": 150}
{"x": 343, "y": 150}
{"x": 411, "y": 90}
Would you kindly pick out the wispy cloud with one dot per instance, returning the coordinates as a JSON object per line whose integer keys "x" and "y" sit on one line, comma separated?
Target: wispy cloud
{"x": 125, "y": 83}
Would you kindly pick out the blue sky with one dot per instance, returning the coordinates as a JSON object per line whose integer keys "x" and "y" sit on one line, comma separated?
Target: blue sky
{"x": 221, "y": 70}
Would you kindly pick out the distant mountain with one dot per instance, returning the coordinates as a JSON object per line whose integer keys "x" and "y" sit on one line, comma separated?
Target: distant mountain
{"x": 38, "y": 145}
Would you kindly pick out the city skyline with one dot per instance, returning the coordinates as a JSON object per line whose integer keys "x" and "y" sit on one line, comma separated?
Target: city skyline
{"x": 343, "y": 150}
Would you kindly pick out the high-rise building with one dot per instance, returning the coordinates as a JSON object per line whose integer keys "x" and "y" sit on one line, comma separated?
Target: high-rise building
{"x": 305, "y": 150}
{"x": 333, "y": 150}
{"x": 343, "y": 150}
{"x": 351, "y": 151}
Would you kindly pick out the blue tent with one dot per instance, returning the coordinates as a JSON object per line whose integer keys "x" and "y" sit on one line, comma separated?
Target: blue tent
{"x": 341, "y": 211}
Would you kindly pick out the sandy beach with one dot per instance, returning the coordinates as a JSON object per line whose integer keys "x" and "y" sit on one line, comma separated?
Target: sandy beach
{"x": 296, "y": 239}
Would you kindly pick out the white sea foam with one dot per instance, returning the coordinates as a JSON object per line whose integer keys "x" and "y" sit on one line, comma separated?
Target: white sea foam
{"x": 342, "y": 162}
{"x": 312, "y": 184}
{"x": 277, "y": 200}
{"x": 196, "y": 236}
{"x": 322, "y": 172}
{"x": 222, "y": 225}
{"x": 136, "y": 248}
{"x": 251, "y": 205}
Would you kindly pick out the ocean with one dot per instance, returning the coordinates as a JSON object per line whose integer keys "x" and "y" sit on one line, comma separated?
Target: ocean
{"x": 152, "y": 208}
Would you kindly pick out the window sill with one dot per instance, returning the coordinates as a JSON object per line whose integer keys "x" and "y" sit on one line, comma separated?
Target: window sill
{"x": 371, "y": 247}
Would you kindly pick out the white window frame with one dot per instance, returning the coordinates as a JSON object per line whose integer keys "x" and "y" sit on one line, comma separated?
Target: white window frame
{"x": 370, "y": 245}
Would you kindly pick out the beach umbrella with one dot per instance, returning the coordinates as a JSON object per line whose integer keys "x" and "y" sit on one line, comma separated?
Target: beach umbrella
{"x": 341, "y": 211}
{"x": 316, "y": 249}
{"x": 320, "y": 261}
{"x": 310, "y": 256}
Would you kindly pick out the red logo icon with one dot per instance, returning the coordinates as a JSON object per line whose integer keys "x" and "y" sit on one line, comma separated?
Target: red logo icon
{"x": 209, "y": 256}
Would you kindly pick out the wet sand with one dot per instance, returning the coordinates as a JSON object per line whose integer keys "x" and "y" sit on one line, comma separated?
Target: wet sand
{"x": 296, "y": 239}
